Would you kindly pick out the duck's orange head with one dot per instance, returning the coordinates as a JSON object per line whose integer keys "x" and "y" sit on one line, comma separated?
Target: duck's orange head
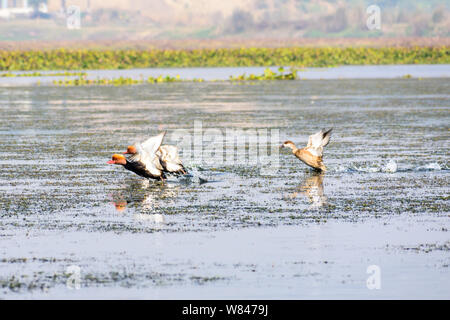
{"x": 131, "y": 150}
{"x": 118, "y": 159}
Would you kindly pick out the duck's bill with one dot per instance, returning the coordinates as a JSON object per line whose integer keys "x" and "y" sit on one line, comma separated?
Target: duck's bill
{"x": 110, "y": 162}
{"x": 126, "y": 152}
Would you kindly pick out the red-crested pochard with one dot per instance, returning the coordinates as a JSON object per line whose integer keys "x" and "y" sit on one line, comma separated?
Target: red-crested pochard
{"x": 167, "y": 155}
{"x": 144, "y": 162}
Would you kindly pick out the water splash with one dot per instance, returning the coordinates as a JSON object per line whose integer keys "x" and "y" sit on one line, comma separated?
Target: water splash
{"x": 391, "y": 167}
{"x": 355, "y": 168}
{"x": 429, "y": 167}
{"x": 194, "y": 176}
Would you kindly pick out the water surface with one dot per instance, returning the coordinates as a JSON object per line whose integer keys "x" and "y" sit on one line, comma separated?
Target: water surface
{"x": 291, "y": 235}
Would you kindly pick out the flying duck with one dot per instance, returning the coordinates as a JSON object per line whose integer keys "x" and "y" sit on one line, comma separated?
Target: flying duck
{"x": 144, "y": 162}
{"x": 167, "y": 155}
{"x": 312, "y": 154}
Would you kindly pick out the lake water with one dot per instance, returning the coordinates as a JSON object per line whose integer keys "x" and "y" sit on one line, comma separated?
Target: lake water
{"x": 287, "y": 234}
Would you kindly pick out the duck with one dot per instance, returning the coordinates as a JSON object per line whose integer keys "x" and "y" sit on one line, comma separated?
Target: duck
{"x": 144, "y": 162}
{"x": 167, "y": 155}
{"x": 137, "y": 167}
{"x": 312, "y": 154}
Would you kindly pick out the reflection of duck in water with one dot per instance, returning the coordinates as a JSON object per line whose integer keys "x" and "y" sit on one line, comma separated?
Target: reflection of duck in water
{"x": 144, "y": 198}
{"x": 155, "y": 217}
{"x": 312, "y": 154}
{"x": 120, "y": 205}
{"x": 312, "y": 187}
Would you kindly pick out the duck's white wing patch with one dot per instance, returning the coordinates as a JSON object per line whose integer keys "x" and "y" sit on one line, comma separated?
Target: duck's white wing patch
{"x": 151, "y": 145}
{"x": 151, "y": 161}
{"x": 315, "y": 140}
{"x": 319, "y": 139}
{"x": 318, "y": 152}
{"x": 170, "y": 154}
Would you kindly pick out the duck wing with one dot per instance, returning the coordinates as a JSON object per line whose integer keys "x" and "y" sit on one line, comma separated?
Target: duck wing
{"x": 151, "y": 145}
{"x": 170, "y": 153}
{"x": 317, "y": 141}
{"x": 149, "y": 160}
{"x": 170, "y": 160}
{"x": 326, "y": 137}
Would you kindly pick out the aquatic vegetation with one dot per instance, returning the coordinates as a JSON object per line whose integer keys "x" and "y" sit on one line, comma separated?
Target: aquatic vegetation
{"x": 40, "y": 74}
{"x": 83, "y": 82}
{"x": 82, "y": 59}
{"x": 163, "y": 79}
{"x": 123, "y": 81}
{"x": 268, "y": 75}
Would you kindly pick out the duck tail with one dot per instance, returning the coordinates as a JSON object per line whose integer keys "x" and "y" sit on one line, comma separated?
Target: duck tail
{"x": 320, "y": 167}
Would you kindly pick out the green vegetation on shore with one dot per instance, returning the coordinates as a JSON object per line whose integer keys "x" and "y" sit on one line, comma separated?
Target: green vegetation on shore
{"x": 40, "y": 74}
{"x": 63, "y": 59}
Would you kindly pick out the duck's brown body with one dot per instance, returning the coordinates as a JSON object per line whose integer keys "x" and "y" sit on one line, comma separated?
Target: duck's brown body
{"x": 309, "y": 159}
{"x": 312, "y": 154}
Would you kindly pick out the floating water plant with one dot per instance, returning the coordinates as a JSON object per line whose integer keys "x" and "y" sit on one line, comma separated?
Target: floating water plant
{"x": 121, "y": 81}
{"x": 163, "y": 79}
{"x": 268, "y": 75}
{"x": 84, "y": 82}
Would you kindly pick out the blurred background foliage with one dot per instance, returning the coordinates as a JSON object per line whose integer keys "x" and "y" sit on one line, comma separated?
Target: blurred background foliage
{"x": 212, "y": 19}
